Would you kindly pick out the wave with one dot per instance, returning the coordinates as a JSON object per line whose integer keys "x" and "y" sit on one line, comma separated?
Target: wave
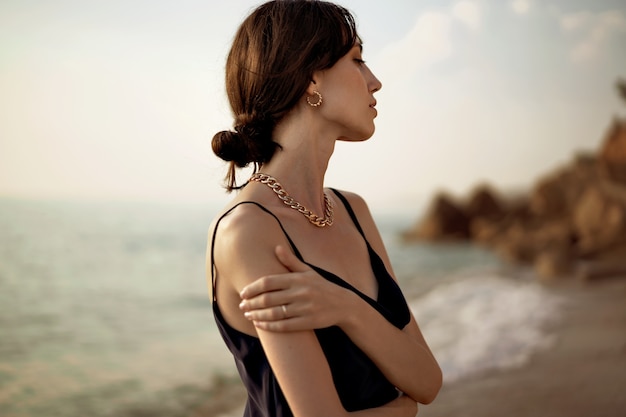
{"x": 485, "y": 322}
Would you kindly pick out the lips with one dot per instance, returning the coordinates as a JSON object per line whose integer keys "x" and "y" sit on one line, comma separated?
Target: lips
{"x": 373, "y": 107}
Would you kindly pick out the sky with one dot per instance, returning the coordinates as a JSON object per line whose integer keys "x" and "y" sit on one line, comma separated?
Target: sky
{"x": 119, "y": 100}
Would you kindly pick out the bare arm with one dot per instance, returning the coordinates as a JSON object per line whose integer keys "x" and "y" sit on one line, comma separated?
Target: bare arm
{"x": 402, "y": 355}
{"x": 307, "y": 384}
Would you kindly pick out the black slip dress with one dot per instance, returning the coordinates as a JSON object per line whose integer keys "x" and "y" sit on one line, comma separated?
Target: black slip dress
{"x": 359, "y": 383}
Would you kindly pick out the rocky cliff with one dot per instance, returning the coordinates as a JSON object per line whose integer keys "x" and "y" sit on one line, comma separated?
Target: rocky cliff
{"x": 572, "y": 221}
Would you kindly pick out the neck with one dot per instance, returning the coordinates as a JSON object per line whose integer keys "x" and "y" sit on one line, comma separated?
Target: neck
{"x": 300, "y": 166}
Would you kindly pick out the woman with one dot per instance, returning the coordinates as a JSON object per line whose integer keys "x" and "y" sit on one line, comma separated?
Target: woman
{"x": 307, "y": 303}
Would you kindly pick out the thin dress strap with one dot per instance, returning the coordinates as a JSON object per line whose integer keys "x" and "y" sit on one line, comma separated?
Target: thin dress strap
{"x": 350, "y": 211}
{"x": 293, "y": 246}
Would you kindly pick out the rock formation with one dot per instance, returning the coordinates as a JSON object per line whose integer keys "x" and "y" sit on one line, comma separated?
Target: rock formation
{"x": 613, "y": 154}
{"x": 571, "y": 223}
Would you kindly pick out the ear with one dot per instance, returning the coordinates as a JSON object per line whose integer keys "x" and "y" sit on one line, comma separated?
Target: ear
{"x": 314, "y": 84}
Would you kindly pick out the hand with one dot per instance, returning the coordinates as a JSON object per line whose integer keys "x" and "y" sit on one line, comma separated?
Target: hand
{"x": 298, "y": 300}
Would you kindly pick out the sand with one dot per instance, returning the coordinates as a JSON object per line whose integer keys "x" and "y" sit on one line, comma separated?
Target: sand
{"x": 582, "y": 374}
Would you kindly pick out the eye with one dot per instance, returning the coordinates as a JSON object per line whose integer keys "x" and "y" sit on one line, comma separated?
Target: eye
{"x": 359, "y": 61}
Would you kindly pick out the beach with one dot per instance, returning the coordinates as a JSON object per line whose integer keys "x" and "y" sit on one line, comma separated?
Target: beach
{"x": 583, "y": 373}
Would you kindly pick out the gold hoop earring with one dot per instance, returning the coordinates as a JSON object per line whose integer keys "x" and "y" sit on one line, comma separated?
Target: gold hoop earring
{"x": 318, "y": 102}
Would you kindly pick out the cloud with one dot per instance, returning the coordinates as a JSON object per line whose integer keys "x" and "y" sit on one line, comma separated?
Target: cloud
{"x": 575, "y": 21}
{"x": 593, "y": 31}
{"x": 426, "y": 43}
{"x": 468, "y": 13}
{"x": 520, "y": 6}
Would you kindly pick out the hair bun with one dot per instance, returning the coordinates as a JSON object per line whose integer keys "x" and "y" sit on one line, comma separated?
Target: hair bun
{"x": 251, "y": 126}
{"x": 231, "y": 147}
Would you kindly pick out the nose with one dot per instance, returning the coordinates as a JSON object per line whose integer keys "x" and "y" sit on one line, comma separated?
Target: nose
{"x": 375, "y": 84}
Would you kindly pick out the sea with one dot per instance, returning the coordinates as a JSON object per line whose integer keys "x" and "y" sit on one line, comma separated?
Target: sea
{"x": 104, "y": 307}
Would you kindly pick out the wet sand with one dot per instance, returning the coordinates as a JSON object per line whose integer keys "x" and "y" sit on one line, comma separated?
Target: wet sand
{"x": 582, "y": 374}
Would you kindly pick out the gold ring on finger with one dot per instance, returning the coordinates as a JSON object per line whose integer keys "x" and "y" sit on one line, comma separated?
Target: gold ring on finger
{"x": 284, "y": 307}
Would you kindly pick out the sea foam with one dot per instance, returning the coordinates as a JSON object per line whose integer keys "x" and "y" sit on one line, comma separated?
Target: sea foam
{"x": 483, "y": 323}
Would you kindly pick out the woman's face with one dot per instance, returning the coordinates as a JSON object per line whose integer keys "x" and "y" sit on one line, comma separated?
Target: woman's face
{"x": 348, "y": 89}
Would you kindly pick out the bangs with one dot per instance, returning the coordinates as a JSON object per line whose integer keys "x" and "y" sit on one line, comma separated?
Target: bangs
{"x": 339, "y": 26}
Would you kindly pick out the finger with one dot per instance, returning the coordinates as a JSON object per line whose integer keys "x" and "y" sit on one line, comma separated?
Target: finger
{"x": 292, "y": 324}
{"x": 265, "y": 284}
{"x": 290, "y": 260}
{"x": 270, "y": 314}
{"x": 265, "y": 300}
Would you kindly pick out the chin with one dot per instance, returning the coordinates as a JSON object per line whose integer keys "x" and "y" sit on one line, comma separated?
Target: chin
{"x": 360, "y": 136}
{"x": 355, "y": 138}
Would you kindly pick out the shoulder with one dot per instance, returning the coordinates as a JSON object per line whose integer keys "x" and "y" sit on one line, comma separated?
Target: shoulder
{"x": 359, "y": 206}
{"x": 355, "y": 200}
{"x": 243, "y": 239}
{"x": 245, "y": 225}
{"x": 366, "y": 220}
{"x": 243, "y": 218}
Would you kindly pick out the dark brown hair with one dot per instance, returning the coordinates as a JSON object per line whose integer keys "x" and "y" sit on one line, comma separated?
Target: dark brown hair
{"x": 270, "y": 65}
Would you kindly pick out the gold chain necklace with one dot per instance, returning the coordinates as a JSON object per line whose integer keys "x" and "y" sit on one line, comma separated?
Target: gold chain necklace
{"x": 318, "y": 221}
